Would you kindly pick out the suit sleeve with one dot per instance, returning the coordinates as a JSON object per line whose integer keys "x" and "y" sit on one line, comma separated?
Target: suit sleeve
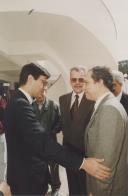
{"x": 56, "y": 119}
{"x": 38, "y": 142}
{"x": 110, "y": 138}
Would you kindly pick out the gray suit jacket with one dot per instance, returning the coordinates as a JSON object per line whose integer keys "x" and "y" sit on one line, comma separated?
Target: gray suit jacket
{"x": 107, "y": 137}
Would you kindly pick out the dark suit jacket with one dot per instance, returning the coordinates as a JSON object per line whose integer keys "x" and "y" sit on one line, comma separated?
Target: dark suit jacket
{"x": 73, "y": 130}
{"x": 124, "y": 101}
{"x": 27, "y": 141}
{"x": 49, "y": 115}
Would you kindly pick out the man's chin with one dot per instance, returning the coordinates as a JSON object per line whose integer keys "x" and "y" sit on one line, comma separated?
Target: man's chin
{"x": 88, "y": 97}
{"x": 78, "y": 91}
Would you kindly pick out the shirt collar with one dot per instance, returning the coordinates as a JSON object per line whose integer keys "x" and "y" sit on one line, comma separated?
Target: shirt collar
{"x": 73, "y": 97}
{"x": 44, "y": 104}
{"x": 98, "y": 101}
{"x": 80, "y": 94}
{"x": 30, "y": 99}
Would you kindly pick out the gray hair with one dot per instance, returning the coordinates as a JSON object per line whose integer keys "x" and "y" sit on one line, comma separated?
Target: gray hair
{"x": 118, "y": 76}
{"x": 78, "y": 69}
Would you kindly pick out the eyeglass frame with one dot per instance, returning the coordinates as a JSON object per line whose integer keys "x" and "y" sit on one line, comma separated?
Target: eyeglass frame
{"x": 80, "y": 80}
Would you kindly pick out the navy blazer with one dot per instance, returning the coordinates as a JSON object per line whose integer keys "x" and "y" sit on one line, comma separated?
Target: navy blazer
{"x": 27, "y": 141}
{"x": 124, "y": 101}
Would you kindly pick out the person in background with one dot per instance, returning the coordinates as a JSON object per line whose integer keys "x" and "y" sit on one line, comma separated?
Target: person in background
{"x": 106, "y": 134}
{"x": 29, "y": 146}
{"x": 4, "y": 189}
{"x": 125, "y": 85}
{"x": 118, "y": 81}
{"x": 76, "y": 111}
{"x": 3, "y": 104}
{"x": 47, "y": 112}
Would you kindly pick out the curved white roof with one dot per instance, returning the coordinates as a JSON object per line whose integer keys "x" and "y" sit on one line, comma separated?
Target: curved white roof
{"x": 62, "y": 32}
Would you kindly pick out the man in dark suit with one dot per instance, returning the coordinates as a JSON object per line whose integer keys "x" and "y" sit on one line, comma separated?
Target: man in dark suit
{"x": 73, "y": 126}
{"x": 118, "y": 81}
{"x": 29, "y": 147}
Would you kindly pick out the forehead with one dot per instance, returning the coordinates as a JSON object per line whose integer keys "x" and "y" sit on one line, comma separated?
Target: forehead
{"x": 79, "y": 73}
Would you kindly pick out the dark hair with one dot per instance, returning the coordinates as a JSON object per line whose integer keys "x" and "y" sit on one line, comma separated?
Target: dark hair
{"x": 33, "y": 69}
{"x": 104, "y": 74}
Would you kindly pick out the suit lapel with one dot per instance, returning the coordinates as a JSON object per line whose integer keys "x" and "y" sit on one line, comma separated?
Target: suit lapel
{"x": 95, "y": 112}
{"x": 68, "y": 106}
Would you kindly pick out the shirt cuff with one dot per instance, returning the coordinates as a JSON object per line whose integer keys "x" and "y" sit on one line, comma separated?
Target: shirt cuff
{"x": 83, "y": 162}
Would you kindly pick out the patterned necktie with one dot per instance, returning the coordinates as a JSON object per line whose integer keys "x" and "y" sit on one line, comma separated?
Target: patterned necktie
{"x": 75, "y": 107}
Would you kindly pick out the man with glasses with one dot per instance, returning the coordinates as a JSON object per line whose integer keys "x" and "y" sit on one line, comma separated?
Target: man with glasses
{"x": 75, "y": 111}
{"x": 47, "y": 112}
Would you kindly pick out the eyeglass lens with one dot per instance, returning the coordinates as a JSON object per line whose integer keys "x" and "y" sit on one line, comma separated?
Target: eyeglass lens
{"x": 81, "y": 80}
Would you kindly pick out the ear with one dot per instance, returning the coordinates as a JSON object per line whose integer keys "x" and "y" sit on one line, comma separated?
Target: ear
{"x": 101, "y": 81}
{"x": 30, "y": 78}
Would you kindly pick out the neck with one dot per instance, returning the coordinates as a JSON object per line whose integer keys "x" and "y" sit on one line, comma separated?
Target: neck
{"x": 40, "y": 102}
{"x": 26, "y": 89}
{"x": 102, "y": 92}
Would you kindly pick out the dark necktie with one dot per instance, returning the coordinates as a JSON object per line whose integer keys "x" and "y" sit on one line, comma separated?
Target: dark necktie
{"x": 74, "y": 108}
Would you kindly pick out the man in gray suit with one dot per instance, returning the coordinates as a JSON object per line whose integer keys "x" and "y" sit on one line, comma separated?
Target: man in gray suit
{"x": 106, "y": 134}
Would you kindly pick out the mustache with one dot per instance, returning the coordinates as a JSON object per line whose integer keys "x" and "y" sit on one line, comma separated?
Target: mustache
{"x": 78, "y": 85}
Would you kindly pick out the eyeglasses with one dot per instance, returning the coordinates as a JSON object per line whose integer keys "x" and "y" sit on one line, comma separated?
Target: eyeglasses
{"x": 80, "y": 80}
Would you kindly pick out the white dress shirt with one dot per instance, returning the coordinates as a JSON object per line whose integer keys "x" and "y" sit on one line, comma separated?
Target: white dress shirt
{"x": 74, "y": 97}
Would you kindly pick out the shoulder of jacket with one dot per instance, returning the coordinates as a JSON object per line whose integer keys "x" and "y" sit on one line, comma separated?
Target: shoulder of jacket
{"x": 52, "y": 103}
{"x": 65, "y": 96}
{"x": 21, "y": 99}
{"x": 125, "y": 95}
